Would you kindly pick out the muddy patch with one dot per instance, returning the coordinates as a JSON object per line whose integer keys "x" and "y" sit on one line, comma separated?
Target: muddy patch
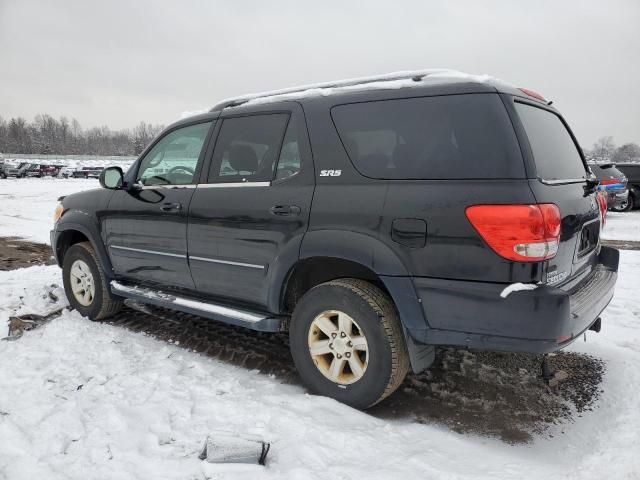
{"x": 15, "y": 253}
{"x": 487, "y": 393}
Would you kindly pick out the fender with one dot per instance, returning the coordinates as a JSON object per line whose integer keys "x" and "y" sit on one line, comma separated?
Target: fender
{"x": 377, "y": 257}
{"x": 80, "y": 221}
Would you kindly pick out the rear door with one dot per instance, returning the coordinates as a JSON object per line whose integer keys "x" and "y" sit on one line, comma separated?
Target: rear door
{"x": 251, "y": 209}
{"x": 561, "y": 179}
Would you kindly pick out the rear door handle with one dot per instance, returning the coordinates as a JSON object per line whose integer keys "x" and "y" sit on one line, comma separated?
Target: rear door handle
{"x": 171, "y": 207}
{"x": 283, "y": 210}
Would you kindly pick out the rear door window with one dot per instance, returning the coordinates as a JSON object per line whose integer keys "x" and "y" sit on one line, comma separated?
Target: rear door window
{"x": 446, "y": 137}
{"x": 248, "y": 148}
{"x": 554, "y": 151}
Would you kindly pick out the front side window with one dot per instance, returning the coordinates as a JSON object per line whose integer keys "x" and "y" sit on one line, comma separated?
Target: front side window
{"x": 173, "y": 160}
{"x": 554, "y": 152}
{"x": 248, "y": 148}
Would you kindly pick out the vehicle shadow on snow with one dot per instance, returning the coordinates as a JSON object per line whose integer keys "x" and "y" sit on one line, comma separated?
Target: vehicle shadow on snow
{"x": 494, "y": 394}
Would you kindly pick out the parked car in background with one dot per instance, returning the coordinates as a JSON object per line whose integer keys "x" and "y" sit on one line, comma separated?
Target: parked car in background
{"x": 632, "y": 172}
{"x": 33, "y": 170}
{"x": 613, "y": 183}
{"x": 372, "y": 251}
{"x": 18, "y": 171}
{"x": 88, "y": 172}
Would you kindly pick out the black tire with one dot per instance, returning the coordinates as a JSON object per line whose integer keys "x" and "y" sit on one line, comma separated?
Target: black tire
{"x": 372, "y": 309}
{"x": 625, "y": 207}
{"x": 104, "y": 303}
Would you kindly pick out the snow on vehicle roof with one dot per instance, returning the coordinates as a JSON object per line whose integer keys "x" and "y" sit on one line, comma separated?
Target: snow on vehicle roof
{"x": 386, "y": 81}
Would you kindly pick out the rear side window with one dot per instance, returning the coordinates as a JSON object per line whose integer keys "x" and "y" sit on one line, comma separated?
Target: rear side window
{"x": 248, "y": 148}
{"x": 445, "y": 137}
{"x": 554, "y": 152}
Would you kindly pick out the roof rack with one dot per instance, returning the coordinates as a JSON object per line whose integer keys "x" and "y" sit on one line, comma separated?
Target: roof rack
{"x": 416, "y": 75}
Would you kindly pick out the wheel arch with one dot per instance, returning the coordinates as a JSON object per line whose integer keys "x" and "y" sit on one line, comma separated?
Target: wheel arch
{"x": 329, "y": 255}
{"x": 75, "y": 227}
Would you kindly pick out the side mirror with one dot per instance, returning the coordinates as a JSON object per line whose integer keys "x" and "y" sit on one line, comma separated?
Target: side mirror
{"x": 111, "y": 178}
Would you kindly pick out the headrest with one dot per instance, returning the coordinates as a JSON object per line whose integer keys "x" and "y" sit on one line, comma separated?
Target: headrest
{"x": 243, "y": 158}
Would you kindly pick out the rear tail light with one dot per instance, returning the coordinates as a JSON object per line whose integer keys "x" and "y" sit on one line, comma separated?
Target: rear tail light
{"x": 602, "y": 203}
{"x": 610, "y": 181}
{"x": 522, "y": 233}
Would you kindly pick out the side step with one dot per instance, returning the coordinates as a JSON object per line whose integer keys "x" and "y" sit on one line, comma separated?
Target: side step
{"x": 262, "y": 322}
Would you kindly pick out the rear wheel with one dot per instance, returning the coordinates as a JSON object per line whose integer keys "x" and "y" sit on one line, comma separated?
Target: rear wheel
{"x": 625, "y": 206}
{"x": 86, "y": 285}
{"x": 347, "y": 342}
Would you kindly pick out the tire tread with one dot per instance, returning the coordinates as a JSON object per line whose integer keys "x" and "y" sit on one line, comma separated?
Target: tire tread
{"x": 380, "y": 302}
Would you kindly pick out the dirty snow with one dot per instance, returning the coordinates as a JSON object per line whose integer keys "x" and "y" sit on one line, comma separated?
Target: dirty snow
{"x": 89, "y": 400}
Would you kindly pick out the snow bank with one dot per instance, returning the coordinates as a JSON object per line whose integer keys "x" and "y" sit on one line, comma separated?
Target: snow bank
{"x": 83, "y": 400}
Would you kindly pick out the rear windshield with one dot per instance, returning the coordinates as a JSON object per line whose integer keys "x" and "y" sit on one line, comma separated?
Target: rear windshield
{"x": 554, "y": 152}
{"x": 446, "y": 137}
{"x": 607, "y": 171}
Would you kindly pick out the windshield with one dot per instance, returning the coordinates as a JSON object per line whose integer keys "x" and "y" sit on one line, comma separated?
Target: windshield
{"x": 554, "y": 152}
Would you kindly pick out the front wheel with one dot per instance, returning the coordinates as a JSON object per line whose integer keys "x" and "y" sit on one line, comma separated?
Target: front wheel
{"x": 347, "y": 342}
{"x": 86, "y": 285}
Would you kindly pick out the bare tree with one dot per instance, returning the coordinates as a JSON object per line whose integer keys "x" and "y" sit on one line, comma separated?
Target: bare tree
{"x": 629, "y": 152}
{"x": 603, "y": 149}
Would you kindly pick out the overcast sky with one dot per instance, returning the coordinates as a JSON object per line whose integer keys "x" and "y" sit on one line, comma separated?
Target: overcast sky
{"x": 117, "y": 62}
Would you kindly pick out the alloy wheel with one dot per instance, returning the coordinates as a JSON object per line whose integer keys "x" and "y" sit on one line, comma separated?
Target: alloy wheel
{"x": 338, "y": 347}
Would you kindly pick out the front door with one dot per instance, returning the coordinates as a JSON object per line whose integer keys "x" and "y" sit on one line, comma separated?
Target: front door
{"x": 251, "y": 209}
{"x": 146, "y": 226}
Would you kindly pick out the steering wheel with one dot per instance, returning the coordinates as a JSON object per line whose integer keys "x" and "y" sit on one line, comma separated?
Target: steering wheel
{"x": 180, "y": 167}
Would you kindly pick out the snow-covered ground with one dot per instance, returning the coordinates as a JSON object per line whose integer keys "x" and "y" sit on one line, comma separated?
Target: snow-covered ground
{"x": 27, "y": 204}
{"x": 83, "y": 400}
{"x": 622, "y": 226}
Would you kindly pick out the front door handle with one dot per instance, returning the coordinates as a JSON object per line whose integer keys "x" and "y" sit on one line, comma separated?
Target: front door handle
{"x": 171, "y": 207}
{"x": 283, "y": 210}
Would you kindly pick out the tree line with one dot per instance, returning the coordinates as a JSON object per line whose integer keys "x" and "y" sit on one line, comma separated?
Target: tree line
{"x": 47, "y": 135}
{"x": 62, "y": 136}
{"x": 606, "y": 151}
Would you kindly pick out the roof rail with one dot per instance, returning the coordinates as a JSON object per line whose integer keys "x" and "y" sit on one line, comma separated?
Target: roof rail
{"x": 416, "y": 75}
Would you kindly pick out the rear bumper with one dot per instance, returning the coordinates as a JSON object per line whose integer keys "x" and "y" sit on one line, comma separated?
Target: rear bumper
{"x": 543, "y": 320}
{"x": 616, "y": 198}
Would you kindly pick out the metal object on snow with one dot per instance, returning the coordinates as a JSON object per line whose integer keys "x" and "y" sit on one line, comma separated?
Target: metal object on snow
{"x": 226, "y": 447}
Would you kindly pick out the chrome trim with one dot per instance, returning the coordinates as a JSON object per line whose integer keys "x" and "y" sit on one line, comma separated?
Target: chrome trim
{"x": 186, "y": 302}
{"x": 167, "y": 187}
{"x": 234, "y": 184}
{"x": 562, "y": 181}
{"x": 227, "y": 262}
{"x": 152, "y": 252}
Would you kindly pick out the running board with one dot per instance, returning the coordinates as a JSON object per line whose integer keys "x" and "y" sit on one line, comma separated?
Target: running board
{"x": 244, "y": 318}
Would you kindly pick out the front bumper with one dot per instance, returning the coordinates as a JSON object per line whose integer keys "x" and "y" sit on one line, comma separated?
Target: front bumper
{"x": 473, "y": 314}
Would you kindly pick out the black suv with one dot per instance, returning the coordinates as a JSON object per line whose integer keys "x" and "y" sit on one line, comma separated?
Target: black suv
{"x": 371, "y": 219}
{"x": 613, "y": 183}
